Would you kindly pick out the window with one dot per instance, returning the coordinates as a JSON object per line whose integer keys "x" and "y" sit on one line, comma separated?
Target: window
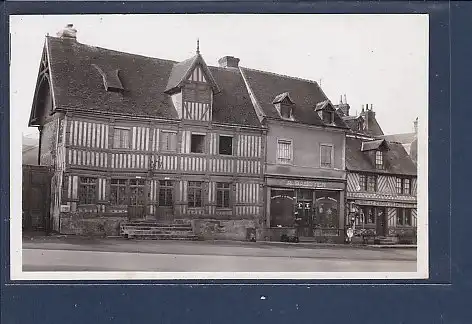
{"x": 222, "y": 195}
{"x": 195, "y": 194}
{"x": 368, "y": 215}
{"x": 226, "y": 145}
{"x": 371, "y": 183}
{"x": 87, "y": 190}
{"x": 327, "y": 116}
{"x": 166, "y": 190}
{"x": 403, "y": 186}
{"x": 284, "y": 151}
{"x": 197, "y": 144}
{"x": 121, "y": 138}
{"x": 118, "y": 192}
{"x": 379, "y": 160}
{"x": 326, "y": 153}
{"x": 404, "y": 217}
{"x": 285, "y": 111}
{"x": 168, "y": 141}
{"x": 368, "y": 182}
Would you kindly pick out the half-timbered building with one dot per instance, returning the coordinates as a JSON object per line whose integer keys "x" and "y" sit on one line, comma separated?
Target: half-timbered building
{"x": 138, "y": 138}
{"x": 381, "y": 181}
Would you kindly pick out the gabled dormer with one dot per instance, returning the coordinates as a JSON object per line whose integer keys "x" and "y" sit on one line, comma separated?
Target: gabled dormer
{"x": 284, "y": 105}
{"x": 376, "y": 150}
{"x": 326, "y": 112}
{"x": 191, "y": 87}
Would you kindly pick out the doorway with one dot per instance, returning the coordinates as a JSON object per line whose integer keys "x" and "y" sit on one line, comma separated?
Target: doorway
{"x": 304, "y": 212}
{"x": 381, "y": 221}
{"x": 137, "y": 203}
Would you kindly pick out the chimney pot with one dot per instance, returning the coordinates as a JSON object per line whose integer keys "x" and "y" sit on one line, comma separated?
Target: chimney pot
{"x": 229, "y": 62}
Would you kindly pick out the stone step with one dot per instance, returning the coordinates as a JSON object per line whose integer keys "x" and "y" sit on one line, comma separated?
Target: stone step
{"x": 190, "y": 237}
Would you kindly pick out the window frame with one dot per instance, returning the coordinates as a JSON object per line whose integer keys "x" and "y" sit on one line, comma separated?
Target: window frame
{"x": 379, "y": 155}
{"x": 168, "y": 132}
{"x": 280, "y": 160}
{"x": 166, "y": 187}
{"x": 402, "y": 214}
{"x": 225, "y": 189}
{"x": 331, "y": 166}
{"x": 81, "y": 185}
{"x": 194, "y": 194}
{"x": 219, "y": 144}
{"x": 203, "y": 135}
{"x": 121, "y": 140}
{"x": 119, "y": 185}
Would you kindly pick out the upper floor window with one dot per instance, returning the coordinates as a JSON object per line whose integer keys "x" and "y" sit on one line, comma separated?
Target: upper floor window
{"x": 286, "y": 111}
{"x": 87, "y": 190}
{"x": 225, "y": 146}
{"x": 368, "y": 182}
{"x": 197, "y": 143}
{"x": 121, "y": 138}
{"x": 379, "y": 160}
{"x": 403, "y": 186}
{"x": 168, "y": 141}
{"x": 327, "y": 116}
{"x": 284, "y": 151}
{"x": 222, "y": 195}
{"x": 326, "y": 156}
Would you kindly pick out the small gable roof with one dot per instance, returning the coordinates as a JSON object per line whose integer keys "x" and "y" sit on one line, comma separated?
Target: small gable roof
{"x": 373, "y": 145}
{"x": 305, "y": 95}
{"x": 281, "y": 97}
{"x": 397, "y": 160}
{"x": 181, "y": 71}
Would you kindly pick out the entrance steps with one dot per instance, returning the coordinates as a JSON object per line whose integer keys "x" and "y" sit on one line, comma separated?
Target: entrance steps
{"x": 157, "y": 231}
{"x": 385, "y": 240}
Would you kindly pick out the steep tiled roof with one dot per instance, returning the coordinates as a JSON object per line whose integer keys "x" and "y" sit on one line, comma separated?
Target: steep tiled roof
{"x": 397, "y": 161}
{"x": 305, "y": 95}
{"x": 77, "y": 85}
{"x": 405, "y": 138}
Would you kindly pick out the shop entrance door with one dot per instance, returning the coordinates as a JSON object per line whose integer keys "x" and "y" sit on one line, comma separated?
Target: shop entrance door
{"x": 304, "y": 212}
{"x": 137, "y": 203}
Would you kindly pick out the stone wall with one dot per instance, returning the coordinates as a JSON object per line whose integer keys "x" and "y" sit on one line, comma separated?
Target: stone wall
{"x": 212, "y": 229}
{"x": 86, "y": 224}
{"x": 48, "y": 143}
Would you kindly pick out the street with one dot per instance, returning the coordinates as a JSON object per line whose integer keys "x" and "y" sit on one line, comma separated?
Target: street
{"x": 177, "y": 256}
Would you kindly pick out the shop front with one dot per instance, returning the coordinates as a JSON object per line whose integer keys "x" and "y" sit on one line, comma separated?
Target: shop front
{"x": 310, "y": 210}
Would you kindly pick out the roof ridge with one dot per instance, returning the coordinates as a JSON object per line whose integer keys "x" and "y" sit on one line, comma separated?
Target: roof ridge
{"x": 283, "y": 75}
{"x": 114, "y": 50}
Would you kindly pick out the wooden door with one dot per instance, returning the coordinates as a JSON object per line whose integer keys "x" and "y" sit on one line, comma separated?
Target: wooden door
{"x": 304, "y": 212}
{"x": 381, "y": 221}
{"x": 137, "y": 201}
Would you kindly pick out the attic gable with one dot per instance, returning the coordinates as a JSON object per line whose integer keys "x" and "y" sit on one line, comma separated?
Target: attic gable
{"x": 380, "y": 144}
{"x": 193, "y": 69}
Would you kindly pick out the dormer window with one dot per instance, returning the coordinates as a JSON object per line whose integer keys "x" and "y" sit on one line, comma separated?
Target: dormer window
{"x": 284, "y": 105}
{"x": 379, "y": 161}
{"x": 326, "y": 112}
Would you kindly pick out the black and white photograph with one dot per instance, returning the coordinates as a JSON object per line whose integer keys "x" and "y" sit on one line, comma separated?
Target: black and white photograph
{"x": 222, "y": 146}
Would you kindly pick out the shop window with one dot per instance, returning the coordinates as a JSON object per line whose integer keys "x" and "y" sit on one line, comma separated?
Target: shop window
{"x": 282, "y": 208}
{"x": 118, "y": 194}
{"x": 194, "y": 193}
{"x": 197, "y": 143}
{"x": 168, "y": 141}
{"x": 326, "y": 155}
{"x": 404, "y": 217}
{"x": 87, "y": 190}
{"x": 225, "y": 145}
{"x": 166, "y": 190}
{"x": 222, "y": 195}
{"x": 326, "y": 209}
{"x": 284, "y": 151}
{"x": 121, "y": 138}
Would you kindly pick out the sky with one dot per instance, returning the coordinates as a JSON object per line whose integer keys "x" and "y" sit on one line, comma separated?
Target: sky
{"x": 380, "y": 60}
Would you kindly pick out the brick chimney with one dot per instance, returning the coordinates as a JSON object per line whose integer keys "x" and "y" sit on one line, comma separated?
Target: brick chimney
{"x": 229, "y": 62}
{"x": 68, "y": 32}
{"x": 344, "y": 106}
{"x": 368, "y": 114}
{"x": 415, "y": 125}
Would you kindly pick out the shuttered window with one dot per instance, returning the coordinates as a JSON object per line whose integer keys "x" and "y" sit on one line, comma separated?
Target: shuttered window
{"x": 284, "y": 151}
{"x": 326, "y": 154}
{"x": 168, "y": 141}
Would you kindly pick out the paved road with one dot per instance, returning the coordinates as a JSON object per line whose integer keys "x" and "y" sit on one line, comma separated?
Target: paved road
{"x": 122, "y": 255}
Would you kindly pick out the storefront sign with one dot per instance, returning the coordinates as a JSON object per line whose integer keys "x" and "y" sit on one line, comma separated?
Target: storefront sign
{"x": 305, "y": 184}
{"x": 383, "y": 204}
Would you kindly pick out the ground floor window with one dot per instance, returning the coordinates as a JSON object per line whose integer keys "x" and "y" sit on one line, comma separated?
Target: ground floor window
{"x": 87, "y": 190}
{"x": 367, "y": 215}
{"x": 404, "y": 217}
{"x": 118, "y": 194}
{"x": 166, "y": 190}
{"x": 194, "y": 194}
{"x": 222, "y": 195}
{"x": 326, "y": 209}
